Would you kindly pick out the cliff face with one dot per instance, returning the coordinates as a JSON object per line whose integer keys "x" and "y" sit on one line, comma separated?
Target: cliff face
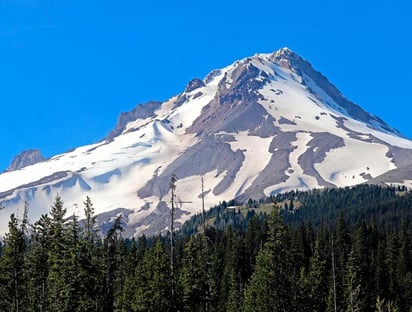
{"x": 139, "y": 112}
{"x": 26, "y": 158}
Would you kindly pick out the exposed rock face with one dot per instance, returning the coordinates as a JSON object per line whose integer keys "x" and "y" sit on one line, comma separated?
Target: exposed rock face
{"x": 262, "y": 125}
{"x": 141, "y": 111}
{"x": 212, "y": 75}
{"x": 194, "y": 84}
{"x": 321, "y": 144}
{"x": 275, "y": 170}
{"x": 210, "y": 153}
{"x": 26, "y": 158}
{"x": 235, "y": 107}
{"x": 396, "y": 176}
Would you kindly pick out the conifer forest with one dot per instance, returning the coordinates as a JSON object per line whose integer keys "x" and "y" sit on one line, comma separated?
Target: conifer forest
{"x": 344, "y": 249}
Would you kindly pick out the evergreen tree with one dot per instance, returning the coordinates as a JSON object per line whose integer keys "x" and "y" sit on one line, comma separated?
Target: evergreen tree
{"x": 234, "y": 299}
{"x": 90, "y": 231}
{"x": 193, "y": 280}
{"x": 90, "y": 268}
{"x": 341, "y": 250}
{"x": 270, "y": 286}
{"x": 58, "y": 293}
{"x": 72, "y": 277}
{"x": 260, "y": 266}
{"x": 391, "y": 265}
{"x": 151, "y": 285}
{"x": 226, "y": 270}
{"x": 235, "y": 274}
{"x": 12, "y": 282}
{"x": 381, "y": 271}
{"x": 316, "y": 282}
{"x": 253, "y": 242}
{"x": 111, "y": 270}
{"x": 37, "y": 265}
{"x": 358, "y": 275}
{"x": 404, "y": 271}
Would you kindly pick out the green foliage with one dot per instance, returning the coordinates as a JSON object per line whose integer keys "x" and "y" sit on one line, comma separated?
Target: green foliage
{"x": 150, "y": 287}
{"x": 270, "y": 288}
{"x": 345, "y": 248}
{"x": 58, "y": 260}
{"x": 37, "y": 268}
{"x": 193, "y": 278}
{"x": 12, "y": 281}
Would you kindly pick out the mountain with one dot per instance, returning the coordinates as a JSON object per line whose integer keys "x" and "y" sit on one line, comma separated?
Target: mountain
{"x": 26, "y": 158}
{"x": 262, "y": 125}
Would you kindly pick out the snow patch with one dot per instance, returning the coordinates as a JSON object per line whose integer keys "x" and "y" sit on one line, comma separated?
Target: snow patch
{"x": 297, "y": 179}
{"x": 343, "y": 167}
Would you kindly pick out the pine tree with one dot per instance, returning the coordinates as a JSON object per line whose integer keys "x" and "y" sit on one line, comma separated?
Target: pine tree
{"x": 90, "y": 232}
{"x": 234, "y": 300}
{"x": 12, "y": 282}
{"x": 341, "y": 250}
{"x": 253, "y": 242}
{"x": 133, "y": 279}
{"x": 358, "y": 275}
{"x": 270, "y": 286}
{"x": 404, "y": 271}
{"x": 72, "y": 264}
{"x": 113, "y": 239}
{"x": 90, "y": 264}
{"x": 194, "y": 276}
{"x": 237, "y": 272}
{"x": 58, "y": 293}
{"x": 36, "y": 265}
{"x": 318, "y": 276}
{"x": 150, "y": 288}
{"x": 381, "y": 270}
{"x": 391, "y": 265}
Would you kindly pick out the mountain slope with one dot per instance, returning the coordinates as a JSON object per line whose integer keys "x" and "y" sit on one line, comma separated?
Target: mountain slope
{"x": 262, "y": 125}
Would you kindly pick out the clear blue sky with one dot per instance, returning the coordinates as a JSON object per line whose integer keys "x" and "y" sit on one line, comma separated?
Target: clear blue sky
{"x": 69, "y": 67}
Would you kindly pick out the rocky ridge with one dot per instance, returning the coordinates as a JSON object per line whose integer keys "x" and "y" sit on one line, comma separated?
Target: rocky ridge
{"x": 26, "y": 158}
{"x": 265, "y": 124}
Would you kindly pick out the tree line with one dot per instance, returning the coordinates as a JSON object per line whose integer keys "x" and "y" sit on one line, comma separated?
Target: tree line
{"x": 287, "y": 260}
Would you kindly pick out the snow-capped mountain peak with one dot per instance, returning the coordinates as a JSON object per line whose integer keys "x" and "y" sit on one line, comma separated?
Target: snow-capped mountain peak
{"x": 262, "y": 125}
{"x": 284, "y": 56}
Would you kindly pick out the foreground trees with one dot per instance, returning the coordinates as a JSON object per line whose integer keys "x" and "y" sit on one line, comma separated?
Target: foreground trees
{"x": 60, "y": 264}
{"x": 270, "y": 287}
{"x": 12, "y": 281}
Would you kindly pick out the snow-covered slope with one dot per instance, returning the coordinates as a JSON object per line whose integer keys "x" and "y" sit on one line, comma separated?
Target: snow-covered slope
{"x": 265, "y": 124}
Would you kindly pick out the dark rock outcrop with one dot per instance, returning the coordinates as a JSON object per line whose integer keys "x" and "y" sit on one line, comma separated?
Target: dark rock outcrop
{"x": 235, "y": 107}
{"x": 194, "y": 84}
{"x": 26, "y": 158}
{"x": 212, "y": 153}
{"x": 141, "y": 111}
{"x": 275, "y": 170}
{"x": 395, "y": 176}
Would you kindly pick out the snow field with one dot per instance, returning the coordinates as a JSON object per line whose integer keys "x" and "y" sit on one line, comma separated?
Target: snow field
{"x": 111, "y": 173}
{"x": 297, "y": 179}
{"x": 257, "y": 156}
{"x": 343, "y": 167}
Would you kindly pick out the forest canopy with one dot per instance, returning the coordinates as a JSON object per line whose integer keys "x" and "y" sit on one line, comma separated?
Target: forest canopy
{"x": 343, "y": 249}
